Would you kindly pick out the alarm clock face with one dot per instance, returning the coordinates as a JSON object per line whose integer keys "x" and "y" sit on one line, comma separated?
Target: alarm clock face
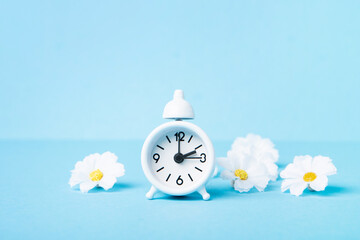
{"x": 179, "y": 158}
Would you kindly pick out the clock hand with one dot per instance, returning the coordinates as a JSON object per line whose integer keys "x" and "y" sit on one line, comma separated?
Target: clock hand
{"x": 179, "y": 157}
{"x": 178, "y": 144}
{"x": 193, "y": 158}
{"x": 189, "y": 153}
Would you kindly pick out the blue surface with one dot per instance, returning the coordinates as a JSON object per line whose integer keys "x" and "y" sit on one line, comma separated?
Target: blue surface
{"x": 90, "y": 70}
{"x": 37, "y": 203}
{"x": 288, "y": 70}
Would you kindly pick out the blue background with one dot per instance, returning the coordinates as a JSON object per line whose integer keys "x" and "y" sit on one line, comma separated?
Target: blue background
{"x": 288, "y": 70}
{"x": 78, "y": 77}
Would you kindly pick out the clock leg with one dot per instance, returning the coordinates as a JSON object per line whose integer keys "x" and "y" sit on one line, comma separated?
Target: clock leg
{"x": 151, "y": 192}
{"x": 204, "y": 193}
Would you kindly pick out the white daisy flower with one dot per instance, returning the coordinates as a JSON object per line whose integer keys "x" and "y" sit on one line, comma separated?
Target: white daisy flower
{"x": 262, "y": 147}
{"x": 306, "y": 171}
{"x": 256, "y": 148}
{"x": 244, "y": 174}
{"x": 97, "y": 170}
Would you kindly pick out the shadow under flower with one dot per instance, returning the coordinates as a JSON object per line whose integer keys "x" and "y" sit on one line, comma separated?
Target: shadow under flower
{"x": 273, "y": 187}
{"x": 223, "y": 192}
{"x": 118, "y": 187}
{"x": 329, "y": 191}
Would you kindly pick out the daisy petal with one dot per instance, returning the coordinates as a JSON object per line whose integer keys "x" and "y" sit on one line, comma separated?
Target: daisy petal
{"x": 319, "y": 183}
{"x": 260, "y": 183}
{"x": 298, "y": 188}
{"x": 303, "y": 162}
{"x": 107, "y": 182}
{"x": 118, "y": 170}
{"x": 241, "y": 143}
{"x": 286, "y": 183}
{"x": 86, "y": 186}
{"x": 243, "y": 185}
{"x": 256, "y": 169}
{"x": 272, "y": 169}
{"x": 83, "y": 167}
{"x": 107, "y": 160}
{"x": 115, "y": 169}
{"x": 323, "y": 166}
{"x": 263, "y": 148}
{"x": 291, "y": 171}
{"x": 77, "y": 177}
{"x": 226, "y": 174}
{"x": 240, "y": 160}
{"x": 225, "y": 163}
{"x": 109, "y": 156}
{"x": 91, "y": 160}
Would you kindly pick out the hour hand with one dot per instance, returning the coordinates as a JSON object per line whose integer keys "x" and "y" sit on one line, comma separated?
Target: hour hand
{"x": 189, "y": 154}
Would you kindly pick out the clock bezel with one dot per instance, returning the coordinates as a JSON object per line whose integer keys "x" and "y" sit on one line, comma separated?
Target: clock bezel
{"x": 149, "y": 144}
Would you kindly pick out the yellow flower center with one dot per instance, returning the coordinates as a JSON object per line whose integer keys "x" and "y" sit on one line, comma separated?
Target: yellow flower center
{"x": 309, "y": 176}
{"x": 241, "y": 174}
{"x": 96, "y": 175}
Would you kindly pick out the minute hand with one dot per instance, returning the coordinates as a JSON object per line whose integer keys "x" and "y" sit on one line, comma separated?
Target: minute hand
{"x": 179, "y": 145}
{"x": 189, "y": 153}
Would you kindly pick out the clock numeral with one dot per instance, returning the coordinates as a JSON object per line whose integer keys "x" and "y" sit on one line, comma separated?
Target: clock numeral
{"x": 156, "y": 157}
{"x": 179, "y": 136}
{"x": 203, "y": 157}
{"x": 179, "y": 181}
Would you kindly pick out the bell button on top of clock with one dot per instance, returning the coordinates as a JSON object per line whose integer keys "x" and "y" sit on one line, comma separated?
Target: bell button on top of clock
{"x": 178, "y": 108}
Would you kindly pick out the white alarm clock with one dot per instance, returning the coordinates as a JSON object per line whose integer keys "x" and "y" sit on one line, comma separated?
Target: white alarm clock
{"x": 178, "y": 157}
